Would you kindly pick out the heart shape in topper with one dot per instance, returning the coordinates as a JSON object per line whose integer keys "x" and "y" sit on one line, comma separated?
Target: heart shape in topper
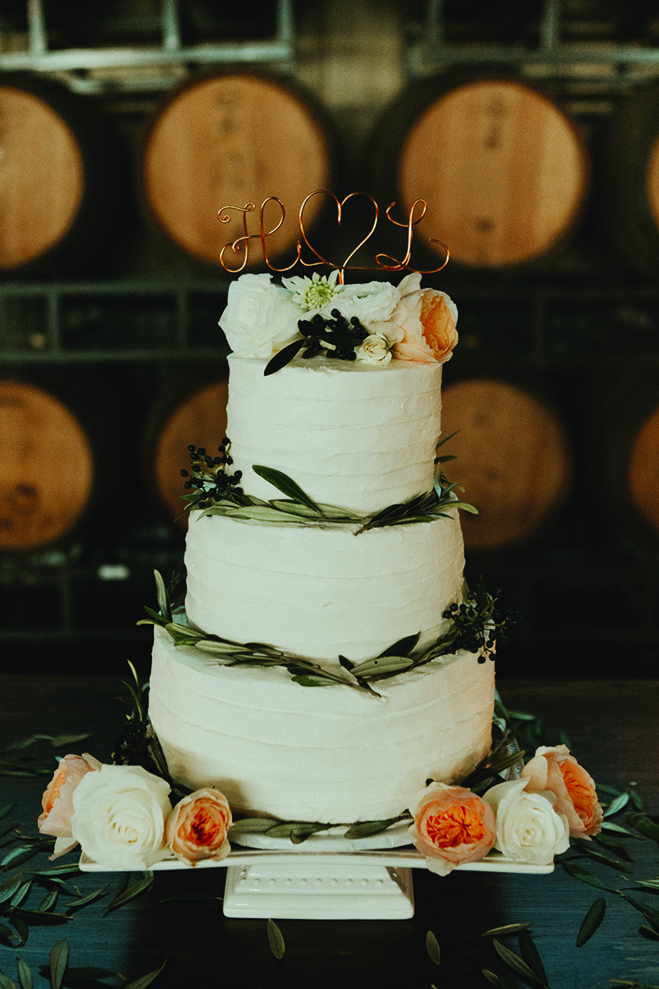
{"x": 340, "y": 204}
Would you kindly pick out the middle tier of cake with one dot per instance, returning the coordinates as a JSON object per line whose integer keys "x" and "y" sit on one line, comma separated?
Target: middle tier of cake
{"x": 322, "y": 592}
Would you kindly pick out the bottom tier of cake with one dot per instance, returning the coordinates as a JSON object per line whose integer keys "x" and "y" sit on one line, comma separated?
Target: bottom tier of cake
{"x": 329, "y": 754}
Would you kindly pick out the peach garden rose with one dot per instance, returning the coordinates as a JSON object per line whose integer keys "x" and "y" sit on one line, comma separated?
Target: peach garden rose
{"x": 57, "y": 800}
{"x": 428, "y": 319}
{"x": 553, "y": 768}
{"x": 198, "y": 827}
{"x": 451, "y": 825}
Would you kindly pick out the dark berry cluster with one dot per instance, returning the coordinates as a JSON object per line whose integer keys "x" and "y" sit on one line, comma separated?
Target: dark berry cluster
{"x": 132, "y": 745}
{"x": 336, "y": 334}
{"x": 479, "y": 625}
{"x": 208, "y": 474}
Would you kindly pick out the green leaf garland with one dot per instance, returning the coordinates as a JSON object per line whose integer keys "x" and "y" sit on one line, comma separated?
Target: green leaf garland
{"x": 473, "y": 626}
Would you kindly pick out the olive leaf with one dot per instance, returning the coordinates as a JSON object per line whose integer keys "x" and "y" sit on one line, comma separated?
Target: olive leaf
{"x": 286, "y": 485}
{"x": 19, "y": 855}
{"x": 651, "y": 914}
{"x": 24, "y": 975}
{"x": 644, "y": 825}
{"x": 145, "y": 980}
{"x": 653, "y": 884}
{"x": 531, "y": 955}
{"x": 136, "y": 889}
{"x": 506, "y": 929}
{"x": 161, "y": 596}
{"x": 591, "y": 921}
{"x": 59, "y": 959}
{"x": 365, "y": 829}
{"x": 83, "y": 901}
{"x": 518, "y": 966}
{"x": 617, "y": 804}
{"x": 284, "y": 356}
{"x": 588, "y": 848}
{"x": 6, "y": 982}
{"x": 41, "y": 918}
{"x": 49, "y": 901}
{"x": 382, "y": 665}
{"x": 578, "y": 872}
{"x": 8, "y": 888}
{"x": 432, "y": 947}
{"x": 497, "y": 980}
{"x": 253, "y": 825}
{"x": 275, "y": 939}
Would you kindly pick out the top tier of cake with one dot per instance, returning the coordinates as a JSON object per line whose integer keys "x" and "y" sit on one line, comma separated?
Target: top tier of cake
{"x": 352, "y": 414}
{"x": 355, "y": 435}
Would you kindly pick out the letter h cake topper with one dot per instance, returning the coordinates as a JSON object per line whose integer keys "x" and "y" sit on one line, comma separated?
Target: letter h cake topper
{"x": 383, "y": 262}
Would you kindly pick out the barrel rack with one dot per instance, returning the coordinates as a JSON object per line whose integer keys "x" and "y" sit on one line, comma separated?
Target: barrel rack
{"x": 587, "y": 588}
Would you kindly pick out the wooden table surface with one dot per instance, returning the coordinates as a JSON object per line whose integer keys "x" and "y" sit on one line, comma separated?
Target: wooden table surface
{"x": 612, "y": 729}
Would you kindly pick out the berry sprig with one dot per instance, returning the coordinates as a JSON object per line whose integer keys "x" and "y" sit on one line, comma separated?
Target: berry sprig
{"x": 336, "y": 334}
{"x": 208, "y": 479}
{"x": 478, "y": 624}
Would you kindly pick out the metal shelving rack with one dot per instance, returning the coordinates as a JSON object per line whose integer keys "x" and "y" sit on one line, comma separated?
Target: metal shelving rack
{"x": 40, "y": 320}
{"x": 73, "y": 65}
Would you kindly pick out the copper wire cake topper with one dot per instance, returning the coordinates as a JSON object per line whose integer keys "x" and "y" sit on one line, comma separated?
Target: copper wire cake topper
{"x": 384, "y": 262}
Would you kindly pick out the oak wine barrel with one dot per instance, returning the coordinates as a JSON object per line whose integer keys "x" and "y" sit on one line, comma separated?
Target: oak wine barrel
{"x": 624, "y": 425}
{"x": 46, "y": 467}
{"x": 628, "y": 199}
{"x": 643, "y": 470}
{"x": 229, "y": 138}
{"x": 60, "y": 181}
{"x": 513, "y": 459}
{"x": 195, "y": 416}
{"x": 503, "y": 169}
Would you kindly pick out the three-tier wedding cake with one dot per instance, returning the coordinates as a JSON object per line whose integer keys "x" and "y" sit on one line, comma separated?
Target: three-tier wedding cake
{"x": 325, "y": 666}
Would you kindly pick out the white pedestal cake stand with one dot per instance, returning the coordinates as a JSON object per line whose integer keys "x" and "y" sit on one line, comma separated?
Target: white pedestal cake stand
{"x": 327, "y": 877}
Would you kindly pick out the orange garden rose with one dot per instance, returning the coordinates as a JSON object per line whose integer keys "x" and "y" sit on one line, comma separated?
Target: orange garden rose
{"x": 554, "y": 769}
{"x": 198, "y": 827}
{"x": 451, "y": 825}
{"x": 428, "y": 319}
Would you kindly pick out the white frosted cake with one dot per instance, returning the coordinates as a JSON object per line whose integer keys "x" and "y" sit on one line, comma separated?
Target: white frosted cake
{"x": 355, "y": 428}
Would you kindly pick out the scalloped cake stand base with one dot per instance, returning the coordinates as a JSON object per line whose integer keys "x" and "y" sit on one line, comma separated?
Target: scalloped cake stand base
{"x": 338, "y": 888}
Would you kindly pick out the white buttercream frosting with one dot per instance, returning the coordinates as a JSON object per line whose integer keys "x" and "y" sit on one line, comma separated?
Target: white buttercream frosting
{"x": 329, "y": 754}
{"x": 351, "y": 434}
{"x": 322, "y": 592}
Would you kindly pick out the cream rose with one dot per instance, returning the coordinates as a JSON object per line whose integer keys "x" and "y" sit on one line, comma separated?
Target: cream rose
{"x": 57, "y": 801}
{"x": 451, "y": 825}
{"x": 119, "y": 817}
{"x": 259, "y": 318}
{"x": 198, "y": 827}
{"x": 375, "y": 349}
{"x": 553, "y": 768}
{"x": 528, "y": 827}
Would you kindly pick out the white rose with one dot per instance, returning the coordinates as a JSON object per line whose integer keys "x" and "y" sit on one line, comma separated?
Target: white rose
{"x": 371, "y": 302}
{"x": 528, "y": 827}
{"x": 375, "y": 349}
{"x": 259, "y": 317}
{"x": 119, "y": 817}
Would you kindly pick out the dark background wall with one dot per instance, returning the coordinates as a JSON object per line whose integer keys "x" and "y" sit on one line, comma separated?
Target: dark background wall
{"x": 114, "y": 319}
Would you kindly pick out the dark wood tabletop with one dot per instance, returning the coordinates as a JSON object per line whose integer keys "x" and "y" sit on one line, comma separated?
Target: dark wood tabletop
{"x": 611, "y": 726}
